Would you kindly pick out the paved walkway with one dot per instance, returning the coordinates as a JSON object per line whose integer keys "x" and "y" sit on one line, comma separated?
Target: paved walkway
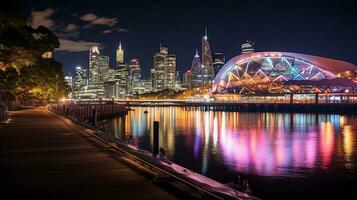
{"x": 43, "y": 156}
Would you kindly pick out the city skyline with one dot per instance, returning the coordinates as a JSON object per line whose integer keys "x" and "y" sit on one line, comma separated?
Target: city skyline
{"x": 227, "y": 29}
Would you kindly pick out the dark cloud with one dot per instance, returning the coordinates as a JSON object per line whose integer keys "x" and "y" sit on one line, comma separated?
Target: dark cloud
{"x": 72, "y": 28}
{"x": 65, "y": 32}
{"x": 94, "y": 19}
{"x": 39, "y": 18}
{"x": 75, "y": 46}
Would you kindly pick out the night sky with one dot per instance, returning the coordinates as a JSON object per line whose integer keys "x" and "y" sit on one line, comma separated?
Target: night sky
{"x": 325, "y": 28}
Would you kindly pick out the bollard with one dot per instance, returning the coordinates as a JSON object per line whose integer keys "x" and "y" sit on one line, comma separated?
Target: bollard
{"x": 94, "y": 116}
{"x": 316, "y": 98}
{"x": 63, "y": 109}
{"x": 155, "y": 151}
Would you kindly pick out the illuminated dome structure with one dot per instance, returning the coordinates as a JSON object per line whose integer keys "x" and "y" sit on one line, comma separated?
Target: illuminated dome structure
{"x": 284, "y": 72}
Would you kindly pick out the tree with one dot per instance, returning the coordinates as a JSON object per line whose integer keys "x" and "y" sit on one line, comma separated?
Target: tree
{"x": 23, "y": 70}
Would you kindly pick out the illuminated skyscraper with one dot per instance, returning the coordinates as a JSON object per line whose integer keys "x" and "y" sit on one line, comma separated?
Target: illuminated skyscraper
{"x": 120, "y": 54}
{"x": 218, "y": 62}
{"x": 69, "y": 81}
{"x": 146, "y": 85}
{"x": 157, "y": 73}
{"x": 196, "y": 70}
{"x": 187, "y": 76}
{"x": 121, "y": 77}
{"x": 94, "y": 65}
{"x": 170, "y": 71}
{"x": 134, "y": 76}
{"x": 207, "y": 64}
{"x": 121, "y": 73}
{"x": 103, "y": 69}
{"x": 98, "y": 69}
{"x": 111, "y": 74}
{"x": 80, "y": 78}
{"x": 164, "y": 71}
{"x": 248, "y": 47}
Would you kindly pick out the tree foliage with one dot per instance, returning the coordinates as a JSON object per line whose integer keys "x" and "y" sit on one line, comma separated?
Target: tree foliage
{"x": 23, "y": 71}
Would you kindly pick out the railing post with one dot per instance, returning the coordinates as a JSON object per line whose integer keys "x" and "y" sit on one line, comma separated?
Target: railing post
{"x": 155, "y": 151}
{"x": 316, "y": 98}
{"x": 94, "y": 116}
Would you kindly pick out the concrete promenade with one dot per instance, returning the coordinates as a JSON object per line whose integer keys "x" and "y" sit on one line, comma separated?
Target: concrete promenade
{"x": 43, "y": 156}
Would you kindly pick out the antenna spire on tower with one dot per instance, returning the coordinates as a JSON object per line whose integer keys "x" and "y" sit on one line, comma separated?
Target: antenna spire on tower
{"x": 205, "y": 37}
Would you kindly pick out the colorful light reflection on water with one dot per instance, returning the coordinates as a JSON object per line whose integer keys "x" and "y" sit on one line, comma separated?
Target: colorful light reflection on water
{"x": 263, "y": 144}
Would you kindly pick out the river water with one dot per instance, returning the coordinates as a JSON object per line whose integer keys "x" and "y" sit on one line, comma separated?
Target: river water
{"x": 282, "y": 155}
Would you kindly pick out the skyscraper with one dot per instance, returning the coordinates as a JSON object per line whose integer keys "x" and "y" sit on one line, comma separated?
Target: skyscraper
{"x": 196, "y": 69}
{"x": 69, "y": 81}
{"x": 218, "y": 62}
{"x": 146, "y": 85}
{"x": 164, "y": 71}
{"x": 121, "y": 77}
{"x": 80, "y": 80}
{"x": 121, "y": 73}
{"x": 157, "y": 74}
{"x": 94, "y": 65}
{"x": 134, "y": 76}
{"x": 111, "y": 74}
{"x": 98, "y": 69}
{"x": 103, "y": 69}
{"x": 187, "y": 76}
{"x": 207, "y": 64}
{"x": 170, "y": 71}
{"x": 120, "y": 54}
{"x": 248, "y": 47}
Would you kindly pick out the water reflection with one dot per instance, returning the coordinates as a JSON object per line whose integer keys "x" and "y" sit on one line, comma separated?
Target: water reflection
{"x": 269, "y": 144}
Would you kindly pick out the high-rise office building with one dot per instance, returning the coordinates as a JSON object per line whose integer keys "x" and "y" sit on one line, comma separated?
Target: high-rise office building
{"x": 103, "y": 69}
{"x": 196, "y": 70}
{"x": 98, "y": 69}
{"x": 122, "y": 77}
{"x": 120, "y": 54}
{"x": 248, "y": 47}
{"x": 164, "y": 71}
{"x": 218, "y": 62}
{"x": 187, "y": 76}
{"x": 111, "y": 74}
{"x": 170, "y": 71}
{"x": 134, "y": 76}
{"x": 80, "y": 80}
{"x": 69, "y": 81}
{"x": 207, "y": 64}
{"x": 121, "y": 73}
{"x": 178, "y": 77}
{"x": 94, "y": 65}
{"x": 146, "y": 85}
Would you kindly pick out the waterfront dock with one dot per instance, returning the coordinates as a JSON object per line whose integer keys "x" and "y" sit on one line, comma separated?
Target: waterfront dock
{"x": 43, "y": 156}
{"x": 48, "y": 156}
{"x": 163, "y": 169}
